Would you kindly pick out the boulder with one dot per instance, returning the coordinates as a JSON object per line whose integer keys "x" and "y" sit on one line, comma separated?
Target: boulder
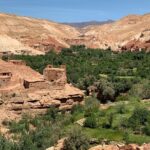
{"x": 105, "y": 147}
{"x": 51, "y": 148}
{"x": 34, "y": 97}
{"x": 146, "y": 147}
{"x": 131, "y": 147}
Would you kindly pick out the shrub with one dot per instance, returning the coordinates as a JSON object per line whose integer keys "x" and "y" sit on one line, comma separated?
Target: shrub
{"x": 76, "y": 109}
{"x": 91, "y": 106}
{"x": 51, "y": 114}
{"x": 76, "y": 140}
{"x": 105, "y": 90}
{"x": 122, "y": 98}
{"x": 109, "y": 121}
{"x": 126, "y": 137}
{"x": 90, "y": 122}
{"x": 141, "y": 90}
{"x": 139, "y": 117}
{"x": 121, "y": 109}
{"x": 6, "y": 145}
{"x": 123, "y": 123}
{"x": 146, "y": 130}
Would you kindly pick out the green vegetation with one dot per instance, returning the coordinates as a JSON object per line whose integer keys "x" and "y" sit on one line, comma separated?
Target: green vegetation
{"x": 76, "y": 140}
{"x": 123, "y": 122}
{"x": 121, "y": 80}
{"x": 106, "y": 73}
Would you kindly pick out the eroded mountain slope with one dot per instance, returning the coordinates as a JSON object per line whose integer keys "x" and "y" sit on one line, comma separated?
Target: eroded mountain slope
{"x": 22, "y": 33}
{"x": 36, "y": 36}
{"x": 131, "y": 32}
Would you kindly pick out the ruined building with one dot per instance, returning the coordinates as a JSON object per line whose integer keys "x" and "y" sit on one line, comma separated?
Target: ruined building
{"x": 24, "y": 90}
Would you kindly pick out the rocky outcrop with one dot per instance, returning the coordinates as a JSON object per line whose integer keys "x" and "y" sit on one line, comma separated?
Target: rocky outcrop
{"x": 125, "y": 147}
{"x": 58, "y": 146}
{"x": 60, "y": 143}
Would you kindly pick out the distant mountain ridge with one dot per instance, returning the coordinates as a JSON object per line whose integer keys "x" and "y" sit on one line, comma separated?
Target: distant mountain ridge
{"x": 88, "y": 23}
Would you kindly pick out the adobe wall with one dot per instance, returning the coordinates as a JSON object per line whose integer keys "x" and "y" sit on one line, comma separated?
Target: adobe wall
{"x": 18, "y": 62}
{"x": 5, "y": 53}
{"x": 5, "y": 78}
{"x": 57, "y": 76}
{"x": 35, "y": 85}
{"x": 4, "y": 81}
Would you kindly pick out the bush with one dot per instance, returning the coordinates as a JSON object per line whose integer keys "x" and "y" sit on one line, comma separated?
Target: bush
{"x": 77, "y": 109}
{"x": 6, "y": 145}
{"x": 139, "y": 118}
{"x": 91, "y": 106}
{"x": 76, "y": 140}
{"x": 122, "y": 98}
{"x": 109, "y": 121}
{"x": 90, "y": 122}
{"x": 126, "y": 137}
{"x": 121, "y": 109}
{"x": 51, "y": 114}
{"x": 123, "y": 124}
{"x": 105, "y": 90}
{"x": 141, "y": 90}
{"x": 146, "y": 130}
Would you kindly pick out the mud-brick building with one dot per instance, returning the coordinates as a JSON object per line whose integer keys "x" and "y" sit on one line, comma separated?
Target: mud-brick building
{"x": 14, "y": 74}
{"x": 5, "y": 77}
{"x": 23, "y": 90}
{"x": 57, "y": 76}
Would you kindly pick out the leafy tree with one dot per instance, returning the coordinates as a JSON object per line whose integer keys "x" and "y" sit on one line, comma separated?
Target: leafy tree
{"x": 105, "y": 90}
{"x": 141, "y": 90}
{"x": 139, "y": 118}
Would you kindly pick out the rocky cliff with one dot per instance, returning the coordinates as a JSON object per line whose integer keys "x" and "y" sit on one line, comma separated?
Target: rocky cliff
{"x": 124, "y": 147}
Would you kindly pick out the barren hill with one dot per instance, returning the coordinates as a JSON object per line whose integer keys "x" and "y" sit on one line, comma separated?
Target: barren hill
{"x": 131, "y": 32}
{"x": 36, "y": 36}
{"x": 22, "y": 33}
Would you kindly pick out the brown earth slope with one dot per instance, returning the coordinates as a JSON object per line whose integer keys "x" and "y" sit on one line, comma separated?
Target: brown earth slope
{"x": 131, "y": 32}
{"x": 22, "y": 33}
{"x": 35, "y": 36}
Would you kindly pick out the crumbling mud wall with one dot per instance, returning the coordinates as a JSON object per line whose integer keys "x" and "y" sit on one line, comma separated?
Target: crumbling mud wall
{"x": 55, "y": 75}
{"x": 23, "y": 90}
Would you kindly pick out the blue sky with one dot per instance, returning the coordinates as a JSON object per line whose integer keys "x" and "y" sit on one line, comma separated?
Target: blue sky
{"x": 75, "y": 10}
